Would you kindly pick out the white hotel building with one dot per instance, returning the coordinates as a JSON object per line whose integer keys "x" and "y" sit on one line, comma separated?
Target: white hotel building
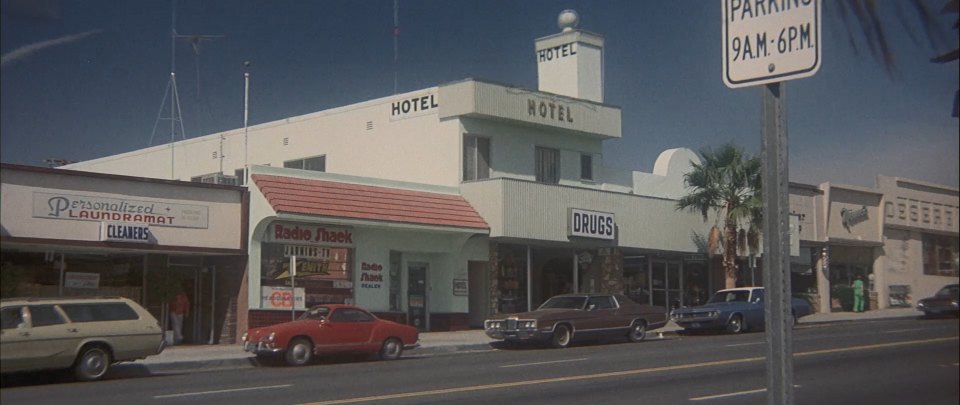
{"x": 441, "y": 206}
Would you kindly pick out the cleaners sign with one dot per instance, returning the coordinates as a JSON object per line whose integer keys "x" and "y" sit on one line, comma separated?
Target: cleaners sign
{"x": 592, "y": 224}
{"x": 124, "y": 232}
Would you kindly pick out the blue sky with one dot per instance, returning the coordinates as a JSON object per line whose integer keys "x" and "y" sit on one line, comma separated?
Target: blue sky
{"x": 97, "y": 88}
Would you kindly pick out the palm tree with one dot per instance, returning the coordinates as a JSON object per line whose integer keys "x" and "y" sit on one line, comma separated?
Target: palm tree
{"x": 727, "y": 182}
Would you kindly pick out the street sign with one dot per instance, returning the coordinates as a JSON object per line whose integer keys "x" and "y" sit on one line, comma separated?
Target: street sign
{"x": 770, "y": 41}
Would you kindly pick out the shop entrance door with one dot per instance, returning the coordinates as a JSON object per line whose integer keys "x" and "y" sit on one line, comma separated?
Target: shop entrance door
{"x": 666, "y": 286}
{"x": 417, "y": 314}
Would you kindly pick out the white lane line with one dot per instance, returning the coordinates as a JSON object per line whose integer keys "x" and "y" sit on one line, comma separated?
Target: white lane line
{"x": 746, "y": 344}
{"x": 732, "y": 394}
{"x": 904, "y": 330}
{"x": 543, "y": 362}
{"x": 190, "y": 394}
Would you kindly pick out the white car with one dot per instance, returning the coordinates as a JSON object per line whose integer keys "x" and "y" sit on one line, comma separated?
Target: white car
{"x": 86, "y": 335}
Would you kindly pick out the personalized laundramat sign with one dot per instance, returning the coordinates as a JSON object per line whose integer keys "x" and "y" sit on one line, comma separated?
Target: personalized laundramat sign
{"x": 92, "y": 208}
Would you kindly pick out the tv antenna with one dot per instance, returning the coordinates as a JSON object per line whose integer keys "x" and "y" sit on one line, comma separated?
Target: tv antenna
{"x": 195, "y": 41}
{"x": 176, "y": 117}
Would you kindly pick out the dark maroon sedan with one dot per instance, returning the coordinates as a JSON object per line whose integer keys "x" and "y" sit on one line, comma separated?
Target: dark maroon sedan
{"x": 943, "y": 303}
{"x": 565, "y": 318}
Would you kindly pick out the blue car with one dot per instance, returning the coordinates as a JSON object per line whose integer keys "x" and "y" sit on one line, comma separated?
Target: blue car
{"x": 734, "y": 310}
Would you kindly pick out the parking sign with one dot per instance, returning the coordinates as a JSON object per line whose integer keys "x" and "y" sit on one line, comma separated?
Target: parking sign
{"x": 766, "y": 41}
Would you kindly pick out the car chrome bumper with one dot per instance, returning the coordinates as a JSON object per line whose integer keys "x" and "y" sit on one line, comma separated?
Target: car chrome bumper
{"x": 517, "y": 335}
{"x": 260, "y": 348}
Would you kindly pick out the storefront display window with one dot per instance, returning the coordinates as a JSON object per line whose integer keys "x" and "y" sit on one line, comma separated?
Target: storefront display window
{"x": 940, "y": 255}
{"x": 29, "y": 274}
{"x": 323, "y": 272}
{"x": 512, "y": 279}
{"x": 636, "y": 278}
{"x": 695, "y": 282}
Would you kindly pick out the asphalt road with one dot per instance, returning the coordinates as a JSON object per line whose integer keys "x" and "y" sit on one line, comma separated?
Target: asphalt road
{"x": 873, "y": 362}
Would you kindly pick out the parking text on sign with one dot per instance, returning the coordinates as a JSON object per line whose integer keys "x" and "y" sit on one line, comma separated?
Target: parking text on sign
{"x": 769, "y": 41}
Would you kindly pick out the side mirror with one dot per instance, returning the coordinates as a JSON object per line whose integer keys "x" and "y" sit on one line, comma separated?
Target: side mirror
{"x": 323, "y": 321}
{"x": 591, "y": 307}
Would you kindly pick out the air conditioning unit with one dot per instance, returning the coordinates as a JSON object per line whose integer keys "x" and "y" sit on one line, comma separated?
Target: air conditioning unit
{"x": 219, "y": 178}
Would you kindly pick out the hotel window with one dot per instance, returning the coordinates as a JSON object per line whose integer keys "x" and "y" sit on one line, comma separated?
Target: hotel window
{"x": 940, "y": 254}
{"x": 586, "y": 166}
{"x": 476, "y": 158}
{"x": 548, "y": 165}
{"x": 316, "y": 163}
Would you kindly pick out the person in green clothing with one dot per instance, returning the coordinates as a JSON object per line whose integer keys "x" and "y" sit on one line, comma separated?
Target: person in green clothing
{"x": 858, "y": 295}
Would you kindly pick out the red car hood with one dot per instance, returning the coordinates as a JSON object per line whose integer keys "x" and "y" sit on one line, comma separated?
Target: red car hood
{"x": 254, "y": 335}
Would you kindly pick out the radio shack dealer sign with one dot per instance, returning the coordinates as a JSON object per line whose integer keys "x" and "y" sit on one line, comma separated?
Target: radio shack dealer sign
{"x": 766, "y": 41}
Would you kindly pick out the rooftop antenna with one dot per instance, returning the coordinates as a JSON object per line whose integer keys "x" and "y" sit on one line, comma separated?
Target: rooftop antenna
{"x": 176, "y": 117}
{"x": 195, "y": 41}
{"x": 396, "y": 39}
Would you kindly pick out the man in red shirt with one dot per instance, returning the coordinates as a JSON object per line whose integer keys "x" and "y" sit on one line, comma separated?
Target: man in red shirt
{"x": 179, "y": 308}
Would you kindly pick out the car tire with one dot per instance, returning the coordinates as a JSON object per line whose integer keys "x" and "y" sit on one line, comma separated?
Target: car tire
{"x": 735, "y": 324}
{"x": 299, "y": 352}
{"x": 561, "y": 336}
{"x": 92, "y": 363}
{"x": 392, "y": 349}
{"x": 638, "y": 332}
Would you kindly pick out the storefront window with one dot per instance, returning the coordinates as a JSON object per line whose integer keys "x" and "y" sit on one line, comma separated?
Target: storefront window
{"x": 940, "y": 255}
{"x": 636, "y": 278}
{"x": 323, "y": 272}
{"x": 28, "y": 274}
{"x": 802, "y": 277}
{"x": 512, "y": 279}
{"x": 695, "y": 282}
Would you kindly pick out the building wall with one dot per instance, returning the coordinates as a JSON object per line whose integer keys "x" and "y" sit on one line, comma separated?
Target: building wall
{"x": 911, "y": 209}
{"x": 371, "y": 139}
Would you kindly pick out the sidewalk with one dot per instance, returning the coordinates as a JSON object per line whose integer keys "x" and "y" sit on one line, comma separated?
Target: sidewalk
{"x": 229, "y": 356}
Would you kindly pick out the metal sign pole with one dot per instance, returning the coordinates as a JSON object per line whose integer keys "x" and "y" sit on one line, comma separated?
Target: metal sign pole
{"x": 293, "y": 288}
{"x": 776, "y": 244}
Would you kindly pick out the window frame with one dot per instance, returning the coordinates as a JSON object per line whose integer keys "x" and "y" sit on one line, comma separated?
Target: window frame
{"x": 545, "y": 172}
{"x": 476, "y": 147}
{"x": 589, "y": 176}
{"x": 302, "y": 163}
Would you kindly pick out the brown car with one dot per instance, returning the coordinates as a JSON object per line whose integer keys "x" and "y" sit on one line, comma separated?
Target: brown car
{"x": 567, "y": 317}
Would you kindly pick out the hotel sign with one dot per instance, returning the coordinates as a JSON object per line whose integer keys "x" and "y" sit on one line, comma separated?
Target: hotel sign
{"x": 592, "y": 224}
{"x": 100, "y": 209}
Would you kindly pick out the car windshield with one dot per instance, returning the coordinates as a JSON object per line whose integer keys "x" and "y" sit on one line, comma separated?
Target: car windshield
{"x": 315, "y": 313}
{"x": 564, "y": 303}
{"x": 950, "y": 290}
{"x": 729, "y": 296}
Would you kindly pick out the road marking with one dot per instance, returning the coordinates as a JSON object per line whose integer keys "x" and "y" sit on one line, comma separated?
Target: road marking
{"x": 904, "y": 330}
{"x": 732, "y": 394}
{"x": 747, "y": 344}
{"x": 190, "y": 394}
{"x": 542, "y": 362}
{"x": 611, "y": 374}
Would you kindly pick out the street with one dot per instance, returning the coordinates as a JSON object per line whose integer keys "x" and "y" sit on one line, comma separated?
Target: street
{"x": 875, "y": 362}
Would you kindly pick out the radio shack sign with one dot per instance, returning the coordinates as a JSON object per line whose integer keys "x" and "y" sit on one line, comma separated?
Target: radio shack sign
{"x": 766, "y": 41}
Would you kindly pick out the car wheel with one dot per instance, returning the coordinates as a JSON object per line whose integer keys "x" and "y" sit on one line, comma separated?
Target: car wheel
{"x": 391, "y": 350}
{"x": 92, "y": 363}
{"x": 735, "y": 324}
{"x": 299, "y": 352}
{"x": 561, "y": 337}
{"x": 638, "y": 331}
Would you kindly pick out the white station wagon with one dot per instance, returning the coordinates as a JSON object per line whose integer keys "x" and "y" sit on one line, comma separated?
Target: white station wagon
{"x": 86, "y": 335}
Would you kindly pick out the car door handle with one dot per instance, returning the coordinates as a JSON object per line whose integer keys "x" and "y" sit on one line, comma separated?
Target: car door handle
{"x": 24, "y": 333}
{"x": 74, "y": 330}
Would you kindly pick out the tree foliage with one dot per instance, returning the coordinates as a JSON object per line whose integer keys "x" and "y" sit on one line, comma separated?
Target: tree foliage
{"x": 727, "y": 182}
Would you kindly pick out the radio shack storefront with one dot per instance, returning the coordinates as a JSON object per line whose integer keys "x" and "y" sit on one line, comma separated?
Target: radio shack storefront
{"x": 399, "y": 252}
{"x": 70, "y": 233}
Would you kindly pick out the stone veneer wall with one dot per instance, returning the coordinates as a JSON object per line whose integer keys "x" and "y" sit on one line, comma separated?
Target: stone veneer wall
{"x": 611, "y": 270}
